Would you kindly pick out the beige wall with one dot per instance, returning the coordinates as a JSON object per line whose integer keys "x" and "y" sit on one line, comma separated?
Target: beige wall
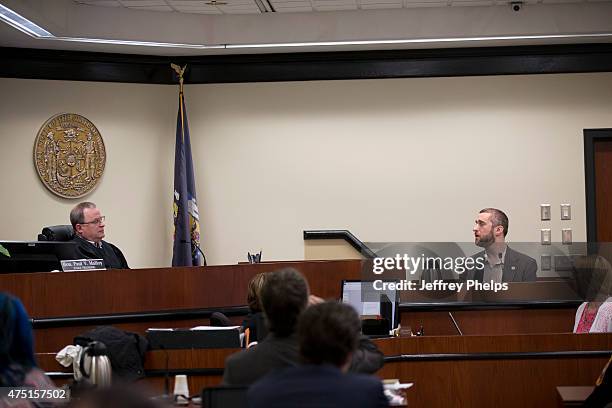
{"x": 390, "y": 160}
{"x": 137, "y": 123}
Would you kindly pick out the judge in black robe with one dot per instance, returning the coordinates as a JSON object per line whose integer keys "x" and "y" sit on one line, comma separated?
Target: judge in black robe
{"x": 89, "y": 223}
{"x": 111, "y": 255}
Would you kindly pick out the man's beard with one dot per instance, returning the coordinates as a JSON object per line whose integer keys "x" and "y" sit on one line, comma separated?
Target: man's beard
{"x": 485, "y": 240}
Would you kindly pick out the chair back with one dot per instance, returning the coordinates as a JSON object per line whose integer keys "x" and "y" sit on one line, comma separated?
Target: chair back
{"x": 56, "y": 233}
{"x": 225, "y": 397}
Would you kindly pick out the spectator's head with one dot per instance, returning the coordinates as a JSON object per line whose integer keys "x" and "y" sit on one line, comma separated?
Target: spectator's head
{"x": 593, "y": 277}
{"x": 491, "y": 226}
{"x": 254, "y": 292}
{"x": 16, "y": 344}
{"x": 328, "y": 333}
{"x": 284, "y": 296}
{"x": 88, "y": 221}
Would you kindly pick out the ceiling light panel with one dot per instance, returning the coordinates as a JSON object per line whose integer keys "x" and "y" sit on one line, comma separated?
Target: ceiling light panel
{"x": 22, "y": 24}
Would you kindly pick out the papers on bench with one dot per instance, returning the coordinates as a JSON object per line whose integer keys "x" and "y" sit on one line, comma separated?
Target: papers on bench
{"x": 194, "y": 328}
{"x": 215, "y": 328}
{"x": 396, "y": 392}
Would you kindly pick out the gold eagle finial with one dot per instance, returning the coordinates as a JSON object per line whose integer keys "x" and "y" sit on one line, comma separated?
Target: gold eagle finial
{"x": 180, "y": 72}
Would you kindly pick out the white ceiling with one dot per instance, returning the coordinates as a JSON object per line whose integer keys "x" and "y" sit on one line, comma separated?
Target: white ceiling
{"x": 293, "y": 6}
{"x": 197, "y": 23}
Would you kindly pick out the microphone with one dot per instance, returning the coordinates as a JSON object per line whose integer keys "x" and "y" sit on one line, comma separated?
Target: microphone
{"x": 166, "y": 372}
{"x": 166, "y": 398}
{"x": 201, "y": 252}
{"x": 194, "y": 247}
{"x": 455, "y": 323}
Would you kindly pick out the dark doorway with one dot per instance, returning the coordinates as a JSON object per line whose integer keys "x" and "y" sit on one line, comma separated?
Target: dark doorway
{"x": 598, "y": 183}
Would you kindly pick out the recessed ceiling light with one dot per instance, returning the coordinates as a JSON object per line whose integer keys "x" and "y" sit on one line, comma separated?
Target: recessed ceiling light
{"x": 22, "y": 24}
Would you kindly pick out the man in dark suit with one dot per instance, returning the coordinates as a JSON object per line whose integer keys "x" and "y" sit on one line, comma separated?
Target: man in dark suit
{"x": 283, "y": 297}
{"x": 501, "y": 263}
{"x": 328, "y": 333}
{"x": 88, "y": 224}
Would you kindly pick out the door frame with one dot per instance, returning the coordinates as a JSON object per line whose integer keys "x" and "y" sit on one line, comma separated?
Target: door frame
{"x": 592, "y": 136}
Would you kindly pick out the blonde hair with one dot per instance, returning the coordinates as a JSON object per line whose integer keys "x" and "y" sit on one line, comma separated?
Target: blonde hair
{"x": 254, "y": 290}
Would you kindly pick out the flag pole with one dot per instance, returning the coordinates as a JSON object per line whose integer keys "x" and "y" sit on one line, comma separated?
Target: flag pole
{"x": 186, "y": 247}
{"x": 180, "y": 72}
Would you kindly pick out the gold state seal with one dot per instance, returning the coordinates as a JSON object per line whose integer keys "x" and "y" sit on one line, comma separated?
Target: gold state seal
{"x": 69, "y": 155}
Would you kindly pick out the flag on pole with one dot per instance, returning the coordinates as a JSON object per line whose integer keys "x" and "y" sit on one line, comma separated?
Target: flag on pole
{"x": 186, "y": 250}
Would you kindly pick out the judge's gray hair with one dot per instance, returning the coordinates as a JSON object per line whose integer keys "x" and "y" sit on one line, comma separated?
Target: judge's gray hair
{"x": 76, "y": 214}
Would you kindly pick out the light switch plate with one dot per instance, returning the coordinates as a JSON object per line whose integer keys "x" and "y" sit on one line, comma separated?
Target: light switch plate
{"x": 545, "y": 212}
{"x": 566, "y": 236}
{"x": 566, "y": 212}
{"x": 563, "y": 263}
{"x": 545, "y": 262}
{"x": 545, "y": 236}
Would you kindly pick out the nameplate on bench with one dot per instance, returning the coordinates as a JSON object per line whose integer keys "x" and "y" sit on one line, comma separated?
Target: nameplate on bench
{"x": 77, "y": 265}
{"x": 210, "y": 337}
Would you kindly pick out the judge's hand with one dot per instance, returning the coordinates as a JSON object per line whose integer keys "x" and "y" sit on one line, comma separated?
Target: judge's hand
{"x": 314, "y": 300}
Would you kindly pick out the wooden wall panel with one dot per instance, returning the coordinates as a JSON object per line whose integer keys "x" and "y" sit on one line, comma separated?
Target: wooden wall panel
{"x": 511, "y": 372}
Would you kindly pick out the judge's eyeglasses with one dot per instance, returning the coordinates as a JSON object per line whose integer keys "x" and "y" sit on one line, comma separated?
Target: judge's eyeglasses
{"x": 97, "y": 221}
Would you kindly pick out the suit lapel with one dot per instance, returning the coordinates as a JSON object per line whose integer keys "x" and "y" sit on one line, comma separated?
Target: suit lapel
{"x": 479, "y": 273}
{"x": 510, "y": 266}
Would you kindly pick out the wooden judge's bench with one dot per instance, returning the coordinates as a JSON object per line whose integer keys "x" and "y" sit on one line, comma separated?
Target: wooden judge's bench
{"x": 517, "y": 346}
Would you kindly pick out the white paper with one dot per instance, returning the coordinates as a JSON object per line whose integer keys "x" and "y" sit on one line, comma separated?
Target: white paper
{"x": 398, "y": 386}
{"x": 215, "y": 328}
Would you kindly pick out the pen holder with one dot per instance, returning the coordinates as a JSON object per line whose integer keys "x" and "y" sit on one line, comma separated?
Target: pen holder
{"x": 254, "y": 258}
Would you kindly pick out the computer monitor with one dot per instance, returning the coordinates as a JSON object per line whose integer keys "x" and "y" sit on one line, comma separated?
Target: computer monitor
{"x": 368, "y": 301}
{"x": 225, "y": 397}
{"x": 35, "y": 256}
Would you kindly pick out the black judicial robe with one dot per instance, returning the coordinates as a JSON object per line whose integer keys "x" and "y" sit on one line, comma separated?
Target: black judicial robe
{"x": 112, "y": 256}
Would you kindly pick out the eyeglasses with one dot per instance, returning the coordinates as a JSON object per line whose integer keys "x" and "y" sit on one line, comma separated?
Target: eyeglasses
{"x": 97, "y": 221}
